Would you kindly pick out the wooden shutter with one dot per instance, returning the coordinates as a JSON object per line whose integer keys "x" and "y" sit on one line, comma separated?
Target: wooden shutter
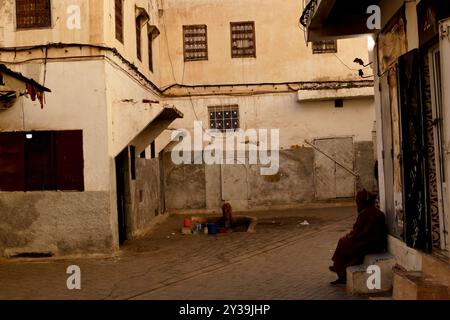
{"x": 243, "y": 40}
{"x": 119, "y": 19}
{"x": 195, "y": 42}
{"x": 33, "y": 14}
{"x": 39, "y": 162}
{"x": 324, "y": 46}
{"x": 69, "y": 160}
{"x": 139, "y": 38}
{"x": 12, "y": 146}
{"x": 150, "y": 51}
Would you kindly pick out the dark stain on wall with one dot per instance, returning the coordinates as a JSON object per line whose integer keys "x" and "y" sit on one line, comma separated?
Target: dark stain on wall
{"x": 16, "y": 216}
{"x": 365, "y": 165}
{"x": 185, "y": 185}
{"x": 294, "y": 183}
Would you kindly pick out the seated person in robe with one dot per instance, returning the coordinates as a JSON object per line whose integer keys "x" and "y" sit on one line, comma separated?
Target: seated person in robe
{"x": 369, "y": 236}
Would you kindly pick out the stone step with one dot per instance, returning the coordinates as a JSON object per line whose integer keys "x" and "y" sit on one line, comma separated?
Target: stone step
{"x": 413, "y": 285}
{"x": 358, "y": 276}
{"x": 436, "y": 267}
{"x": 375, "y": 259}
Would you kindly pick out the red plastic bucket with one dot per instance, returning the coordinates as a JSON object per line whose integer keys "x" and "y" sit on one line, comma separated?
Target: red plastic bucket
{"x": 187, "y": 223}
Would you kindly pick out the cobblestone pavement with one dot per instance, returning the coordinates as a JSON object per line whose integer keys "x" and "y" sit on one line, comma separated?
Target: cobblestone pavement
{"x": 282, "y": 260}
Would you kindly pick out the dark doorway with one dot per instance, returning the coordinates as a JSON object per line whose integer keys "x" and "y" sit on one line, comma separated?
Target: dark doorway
{"x": 121, "y": 174}
{"x": 417, "y": 231}
{"x": 162, "y": 196}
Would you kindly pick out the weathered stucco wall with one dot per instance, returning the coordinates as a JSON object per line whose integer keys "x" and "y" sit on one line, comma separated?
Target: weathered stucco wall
{"x": 64, "y": 222}
{"x": 185, "y": 185}
{"x": 91, "y": 22}
{"x": 365, "y": 165}
{"x": 145, "y": 195}
{"x": 128, "y": 48}
{"x": 127, "y": 114}
{"x": 207, "y": 186}
{"x": 59, "y": 223}
{"x": 296, "y": 121}
{"x": 97, "y": 27}
{"x": 294, "y": 183}
{"x": 104, "y": 98}
{"x": 281, "y": 50}
{"x": 77, "y": 102}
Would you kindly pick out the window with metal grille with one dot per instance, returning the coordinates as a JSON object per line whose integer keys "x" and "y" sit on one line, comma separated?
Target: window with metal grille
{"x": 138, "y": 38}
{"x": 243, "y": 41}
{"x": 119, "y": 19}
{"x": 325, "y": 46}
{"x": 195, "y": 42}
{"x": 38, "y": 161}
{"x": 224, "y": 118}
{"x": 33, "y": 14}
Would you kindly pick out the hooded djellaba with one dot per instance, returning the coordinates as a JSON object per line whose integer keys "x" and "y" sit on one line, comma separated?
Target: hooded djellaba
{"x": 369, "y": 236}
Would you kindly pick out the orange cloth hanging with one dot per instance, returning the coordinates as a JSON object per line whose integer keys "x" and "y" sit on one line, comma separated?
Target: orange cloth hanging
{"x": 31, "y": 91}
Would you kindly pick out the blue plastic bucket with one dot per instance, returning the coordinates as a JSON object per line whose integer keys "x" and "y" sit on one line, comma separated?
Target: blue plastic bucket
{"x": 212, "y": 228}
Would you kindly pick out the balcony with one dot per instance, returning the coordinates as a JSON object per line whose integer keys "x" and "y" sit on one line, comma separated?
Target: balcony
{"x": 333, "y": 19}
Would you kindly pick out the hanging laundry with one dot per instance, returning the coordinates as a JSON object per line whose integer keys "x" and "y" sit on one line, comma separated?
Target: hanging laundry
{"x": 31, "y": 90}
{"x": 35, "y": 93}
{"x": 41, "y": 98}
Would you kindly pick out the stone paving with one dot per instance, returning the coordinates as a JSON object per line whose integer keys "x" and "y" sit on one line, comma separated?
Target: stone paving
{"x": 283, "y": 260}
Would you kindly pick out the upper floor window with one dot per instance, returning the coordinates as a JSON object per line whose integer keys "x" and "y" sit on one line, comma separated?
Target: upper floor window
{"x": 195, "y": 42}
{"x": 33, "y": 14}
{"x": 119, "y": 19}
{"x": 324, "y": 46}
{"x": 243, "y": 40}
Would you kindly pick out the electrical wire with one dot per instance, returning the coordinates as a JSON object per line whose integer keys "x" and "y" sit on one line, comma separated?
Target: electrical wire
{"x": 23, "y": 117}
{"x": 148, "y": 84}
{"x": 114, "y": 51}
{"x": 168, "y": 50}
{"x": 305, "y": 85}
{"x": 362, "y": 76}
{"x": 45, "y": 66}
{"x": 344, "y": 63}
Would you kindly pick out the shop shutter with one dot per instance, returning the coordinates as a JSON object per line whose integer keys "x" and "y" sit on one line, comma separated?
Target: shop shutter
{"x": 12, "y": 161}
{"x": 69, "y": 160}
{"x": 39, "y": 162}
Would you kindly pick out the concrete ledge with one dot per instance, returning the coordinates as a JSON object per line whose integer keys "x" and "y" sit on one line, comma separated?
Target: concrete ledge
{"x": 438, "y": 268}
{"x": 379, "y": 258}
{"x": 357, "y": 276}
{"x": 407, "y": 258}
{"x": 332, "y": 94}
{"x": 414, "y": 285}
{"x": 293, "y": 206}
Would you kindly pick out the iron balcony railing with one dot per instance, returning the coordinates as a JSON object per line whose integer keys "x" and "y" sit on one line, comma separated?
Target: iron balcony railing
{"x": 308, "y": 12}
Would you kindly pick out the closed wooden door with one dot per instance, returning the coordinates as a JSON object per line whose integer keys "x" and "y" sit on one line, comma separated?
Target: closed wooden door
{"x": 331, "y": 180}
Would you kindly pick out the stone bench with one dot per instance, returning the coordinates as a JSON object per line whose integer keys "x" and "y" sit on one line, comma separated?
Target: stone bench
{"x": 357, "y": 276}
